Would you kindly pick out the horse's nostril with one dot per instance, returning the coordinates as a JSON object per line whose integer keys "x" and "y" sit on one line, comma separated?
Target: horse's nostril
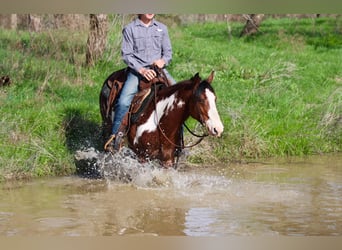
{"x": 215, "y": 131}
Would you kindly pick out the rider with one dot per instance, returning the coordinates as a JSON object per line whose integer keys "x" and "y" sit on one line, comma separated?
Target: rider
{"x": 145, "y": 42}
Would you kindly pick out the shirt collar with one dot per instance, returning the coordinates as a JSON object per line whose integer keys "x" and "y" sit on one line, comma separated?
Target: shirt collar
{"x": 138, "y": 22}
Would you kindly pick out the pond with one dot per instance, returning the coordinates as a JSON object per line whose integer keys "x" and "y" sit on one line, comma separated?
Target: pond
{"x": 292, "y": 196}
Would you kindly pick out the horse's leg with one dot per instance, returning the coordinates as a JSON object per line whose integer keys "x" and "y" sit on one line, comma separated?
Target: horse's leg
{"x": 167, "y": 164}
{"x": 180, "y": 144}
{"x": 168, "y": 157}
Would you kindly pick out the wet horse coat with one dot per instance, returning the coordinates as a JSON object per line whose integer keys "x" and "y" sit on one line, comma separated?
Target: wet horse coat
{"x": 155, "y": 134}
{"x": 154, "y": 129}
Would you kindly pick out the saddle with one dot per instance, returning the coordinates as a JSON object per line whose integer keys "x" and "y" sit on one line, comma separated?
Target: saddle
{"x": 111, "y": 90}
{"x": 115, "y": 82}
{"x": 147, "y": 90}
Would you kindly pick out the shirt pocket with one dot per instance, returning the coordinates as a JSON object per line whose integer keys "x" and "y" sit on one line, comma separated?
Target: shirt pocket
{"x": 139, "y": 44}
{"x": 157, "y": 39}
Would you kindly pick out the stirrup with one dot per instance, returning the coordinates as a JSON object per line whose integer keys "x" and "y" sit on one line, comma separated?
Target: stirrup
{"x": 118, "y": 141}
{"x": 108, "y": 145}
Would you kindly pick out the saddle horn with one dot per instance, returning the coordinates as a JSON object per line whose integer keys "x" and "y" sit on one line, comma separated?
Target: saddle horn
{"x": 161, "y": 76}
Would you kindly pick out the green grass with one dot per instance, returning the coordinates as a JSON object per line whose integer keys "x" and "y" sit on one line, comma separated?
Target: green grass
{"x": 275, "y": 88}
{"x": 279, "y": 92}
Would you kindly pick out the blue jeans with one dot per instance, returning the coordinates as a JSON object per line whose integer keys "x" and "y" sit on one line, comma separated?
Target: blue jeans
{"x": 129, "y": 89}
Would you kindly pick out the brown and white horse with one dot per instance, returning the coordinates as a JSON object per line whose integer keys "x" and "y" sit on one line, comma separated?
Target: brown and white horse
{"x": 155, "y": 134}
{"x": 154, "y": 130}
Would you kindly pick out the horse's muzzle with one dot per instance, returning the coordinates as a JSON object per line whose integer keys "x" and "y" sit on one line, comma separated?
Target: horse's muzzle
{"x": 215, "y": 130}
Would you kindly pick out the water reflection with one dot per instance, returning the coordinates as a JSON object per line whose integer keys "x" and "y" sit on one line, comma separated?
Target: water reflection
{"x": 201, "y": 221}
{"x": 297, "y": 196}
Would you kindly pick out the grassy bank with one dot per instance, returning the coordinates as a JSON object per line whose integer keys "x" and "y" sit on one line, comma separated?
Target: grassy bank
{"x": 279, "y": 92}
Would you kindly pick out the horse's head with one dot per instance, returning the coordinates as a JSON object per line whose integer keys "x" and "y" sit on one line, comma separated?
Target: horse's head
{"x": 205, "y": 105}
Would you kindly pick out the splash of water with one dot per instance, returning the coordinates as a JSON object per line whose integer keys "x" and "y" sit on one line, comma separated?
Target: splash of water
{"x": 124, "y": 167}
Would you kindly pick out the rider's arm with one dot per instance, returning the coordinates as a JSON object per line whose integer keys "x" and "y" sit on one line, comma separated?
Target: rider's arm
{"x": 166, "y": 46}
{"x": 128, "y": 51}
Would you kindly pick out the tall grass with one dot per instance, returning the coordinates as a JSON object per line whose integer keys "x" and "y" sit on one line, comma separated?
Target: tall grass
{"x": 279, "y": 92}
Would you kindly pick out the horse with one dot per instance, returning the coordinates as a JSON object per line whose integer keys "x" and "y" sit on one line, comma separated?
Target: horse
{"x": 154, "y": 130}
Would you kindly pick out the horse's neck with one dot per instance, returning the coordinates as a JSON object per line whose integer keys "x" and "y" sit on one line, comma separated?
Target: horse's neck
{"x": 182, "y": 92}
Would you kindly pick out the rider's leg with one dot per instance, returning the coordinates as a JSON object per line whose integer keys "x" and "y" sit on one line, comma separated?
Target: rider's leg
{"x": 121, "y": 107}
{"x": 129, "y": 89}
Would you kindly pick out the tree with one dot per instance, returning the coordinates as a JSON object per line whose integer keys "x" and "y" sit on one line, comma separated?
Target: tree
{"x": 34, "y": 22}
{"x": 252, "y": 24}
{"x": 97, "y": 38}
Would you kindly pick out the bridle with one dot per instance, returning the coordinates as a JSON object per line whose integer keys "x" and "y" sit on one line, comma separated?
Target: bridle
{"x": 201, "y": 137}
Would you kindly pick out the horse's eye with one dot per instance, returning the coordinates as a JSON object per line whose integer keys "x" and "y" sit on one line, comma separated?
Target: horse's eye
{"x": 201, "y": 100}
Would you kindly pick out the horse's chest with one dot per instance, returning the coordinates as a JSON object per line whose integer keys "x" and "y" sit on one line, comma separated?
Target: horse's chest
{"x": 149, "y": 122}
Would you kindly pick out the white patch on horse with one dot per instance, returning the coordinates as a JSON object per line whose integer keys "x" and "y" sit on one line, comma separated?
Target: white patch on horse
{"x": 214, "y": 123}
{"x": 180, "y": 103}
{"x": 162, "y": 108}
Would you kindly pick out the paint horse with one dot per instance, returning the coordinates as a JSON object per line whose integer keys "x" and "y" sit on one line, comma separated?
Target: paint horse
{"x": 155, "y": 131}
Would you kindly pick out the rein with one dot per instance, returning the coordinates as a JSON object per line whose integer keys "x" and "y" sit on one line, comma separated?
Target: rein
{"x": 199, "y": 136}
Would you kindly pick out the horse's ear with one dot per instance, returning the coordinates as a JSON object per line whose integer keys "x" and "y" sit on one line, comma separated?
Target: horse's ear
{"x": 196, "y": 78}
{"x": 211, "y": 77}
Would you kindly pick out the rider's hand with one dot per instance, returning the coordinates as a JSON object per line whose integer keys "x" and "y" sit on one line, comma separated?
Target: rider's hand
{"x": 160, "y": 63}
{"x": 149, "y": 74}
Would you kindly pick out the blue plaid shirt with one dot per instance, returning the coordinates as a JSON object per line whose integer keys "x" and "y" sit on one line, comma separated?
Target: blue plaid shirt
{"x": 142, "y": 45}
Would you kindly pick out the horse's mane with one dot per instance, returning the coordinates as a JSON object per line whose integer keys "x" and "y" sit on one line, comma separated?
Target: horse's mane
{"x": 188, "y": 85}
{"x": 202, "y": 86}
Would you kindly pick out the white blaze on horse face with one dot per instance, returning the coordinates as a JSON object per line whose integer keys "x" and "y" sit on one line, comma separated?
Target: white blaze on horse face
{"x": 162, "y": 107}
{"x": 214, "y": 123}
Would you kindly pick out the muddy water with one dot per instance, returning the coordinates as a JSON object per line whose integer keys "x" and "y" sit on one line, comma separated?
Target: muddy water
{"x": 297, "y": 196}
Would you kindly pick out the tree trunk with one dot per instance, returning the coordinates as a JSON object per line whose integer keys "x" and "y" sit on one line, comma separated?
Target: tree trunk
{"x": 252, "y": 24}
{"x": 201, "y": 18}
{"x": 14, "y": 21}
{"x": 97, "y": 38}
{"x": 34, "y": 23}
{"x": 8, "y": 21}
